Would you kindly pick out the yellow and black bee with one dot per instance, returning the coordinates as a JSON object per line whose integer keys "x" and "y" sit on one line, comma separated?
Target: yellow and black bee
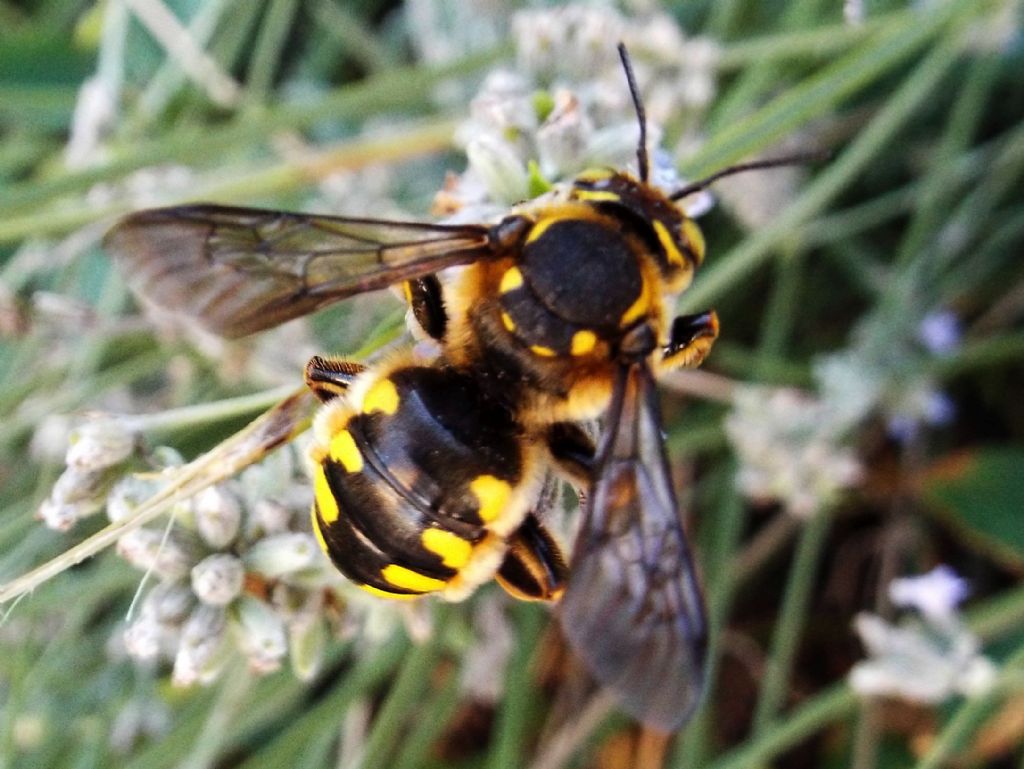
{"x": 428, "y": 477}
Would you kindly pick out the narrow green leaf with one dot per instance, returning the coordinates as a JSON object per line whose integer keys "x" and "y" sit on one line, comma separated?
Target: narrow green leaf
{"x": 980, "y": 494}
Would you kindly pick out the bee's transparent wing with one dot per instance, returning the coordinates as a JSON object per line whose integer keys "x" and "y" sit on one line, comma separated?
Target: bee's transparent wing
{"x": 241, "y": 270}
{"x": 633, "y": 609}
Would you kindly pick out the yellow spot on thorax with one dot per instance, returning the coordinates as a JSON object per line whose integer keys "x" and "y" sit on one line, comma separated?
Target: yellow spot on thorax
{"x": 511, "y": 280}
{"x": 455, "y": 551}
{"x": 407, "y": 579}
{"x": 382, "y": 396}
{"x": 492, "y": 494}
{"x": 542, "y": 351}
{"x": 324, "y": 496}
{"x": 345, "y": 452}
{"x": 583, "y": 342}
{"x": 507, "y": 322}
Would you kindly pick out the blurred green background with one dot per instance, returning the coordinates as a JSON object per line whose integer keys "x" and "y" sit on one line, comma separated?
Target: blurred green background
{"x": 860, "y": 418}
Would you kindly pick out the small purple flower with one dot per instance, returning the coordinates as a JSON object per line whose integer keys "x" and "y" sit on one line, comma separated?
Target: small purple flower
{"x": 936, "y": 595}
{"x": 940, "y": 332}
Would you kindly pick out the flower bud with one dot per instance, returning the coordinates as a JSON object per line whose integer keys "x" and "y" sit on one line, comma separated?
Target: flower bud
{"x": 203, "y": 650}
{"x": 502, "y": 171}
{"x": 99, "y": 444}
{"x": 217, "y": 516}
{"x": 170, "y": 603}
{"x": 282, "y": 554}
{"x": 307, "y": 638}
{"x": 170, "y": 559}
{"x": 126, "y": 496}
{"x": 76, "y": 494}
{"x": 269, "y": 516}
{"x": 217, "y": 579}
{"x": 142, "y": 638}
{"x": 260, "y": 633}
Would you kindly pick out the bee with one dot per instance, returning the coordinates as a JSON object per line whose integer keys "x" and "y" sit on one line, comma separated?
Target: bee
{"x": 430, "y": 477}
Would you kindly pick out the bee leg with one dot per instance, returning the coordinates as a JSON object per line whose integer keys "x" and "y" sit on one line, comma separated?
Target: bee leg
{"x": 427, "y": 303}
{"x": 330, "y": 377}
{"x": 534, "y": 567}
{"x": 572, "y": 450}
{"x": 690, "y": 341}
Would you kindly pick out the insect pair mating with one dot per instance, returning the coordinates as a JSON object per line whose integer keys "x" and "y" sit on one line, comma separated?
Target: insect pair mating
{"x": 428, "y": 477}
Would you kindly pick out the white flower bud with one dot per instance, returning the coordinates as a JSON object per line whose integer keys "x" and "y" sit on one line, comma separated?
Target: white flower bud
{"x": 76, "y": 494}
{"x": 170, "y": 603}
{"x": 217, "y": 516}
{"x": 142, "y": 638}
{"x": 260, "y": 634}
{"x": 307, "y": 639}
{"x": 282, "y": 554}
{"x": 59, "y": 516}
{"x": 503, "y": 172}
{"x": 204, "y": 650}
{"x": 99, "y": 444}
{"x": 126, "y": 496}
{"x": 147, "y": 549}
{"x": 562, "y": 139}
{"x": 269, "y": 516}
{"x": 217, "y": 579}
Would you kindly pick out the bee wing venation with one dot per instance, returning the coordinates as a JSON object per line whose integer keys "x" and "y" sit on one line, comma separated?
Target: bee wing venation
{"x": 241, "y": 270}
{"x": 633, "y": 609}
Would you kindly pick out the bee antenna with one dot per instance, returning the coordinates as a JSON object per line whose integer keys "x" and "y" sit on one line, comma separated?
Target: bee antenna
{"x": 798, "y": 159}
{"x": 634, "y": 92}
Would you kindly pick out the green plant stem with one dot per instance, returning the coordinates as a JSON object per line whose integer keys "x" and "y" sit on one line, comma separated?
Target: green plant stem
{"x": 83, "y": 391}
{"x": 404, "y": 697}
{"x": 404, "y": 88}
{"x": 982, "y": 353}
{"x": 356, "y": 38}
{"x": 43, "y": 108}
{"x": 742, "y": 362}
{"x": 516, "y": 712}
{"x": 998, "y": 616}
{"x": 829, "y": 88}
{"x": 864, "y": 751}
{"x": 170, "y": 78}
{"x": 231, "y": 701}
{"x": 438, "y": 711}
{"x": 693, "y": 748}
{"x": 270, "y": 43}
{"x": 836, "y": 703}
{"x": 791, "y": 620}
{"x": 190, "y": 417}
{"x": 937, "y": 188}
{"x": 780, "y": 312}
{"x": 369, "y": 672}
{"x": 741, "y": 261}
{"x": 754, "y": 81}
{"x": 245, "y": 186}
{"x": 821, "y": 42}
